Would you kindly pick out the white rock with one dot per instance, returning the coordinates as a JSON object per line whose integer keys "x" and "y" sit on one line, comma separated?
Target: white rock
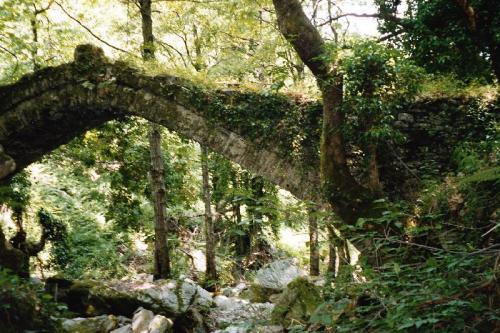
{"x": 233, "y": 329}
{"x": 234, "y": 291}
{"x": 232, "y": 310}
{"x": 98, "y": 324}
{"x": 203, "y": 297}
{"x": 269, "y": 329}
{"x": 144, "y": 277}
{"x": 258, "y": 329}
{"x": 160, "y": 324}
{"x": 278, "y": 274}
{"x": 124, "y": 329}
{"x": 141, "y": 320}
{"x": 225, "y": 303}
{"x": 122, "y": 320}
{"x": 175, "y": 296}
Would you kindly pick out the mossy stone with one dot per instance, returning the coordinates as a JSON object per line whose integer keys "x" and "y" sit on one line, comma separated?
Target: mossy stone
{"x": 298, "y": 301}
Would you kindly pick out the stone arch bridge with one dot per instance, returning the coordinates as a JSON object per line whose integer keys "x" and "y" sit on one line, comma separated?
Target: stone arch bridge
{"x": 48, "y": 108}
{"x": 271, "y": 135}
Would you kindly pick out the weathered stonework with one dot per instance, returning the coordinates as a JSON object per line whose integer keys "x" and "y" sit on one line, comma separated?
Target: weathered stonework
{"x": 48, "y": 108}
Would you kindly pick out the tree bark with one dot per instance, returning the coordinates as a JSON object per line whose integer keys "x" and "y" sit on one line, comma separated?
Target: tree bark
{"x": 373, "y": 173}
{"x": 313, "y": 243}
{"x": 332, "y": 252}
{"x": 258, "y": 246}
{"x": 211, "y": 269}
{"x": 162, "y": 268}
{"x": 241, "y": 246}
{"x": 346, "y": 196}
{"x": 12, "y": 258}
{"x": 148, "y": 50}
{"x": 161, "y": 255}
{"x": 7, "y": 164}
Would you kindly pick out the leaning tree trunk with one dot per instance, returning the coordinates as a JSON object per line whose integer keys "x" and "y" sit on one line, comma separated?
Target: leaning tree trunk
{"x": 211, "y": 269}
{"x": 161, "y": 256}
{"x": 346, "y": 196}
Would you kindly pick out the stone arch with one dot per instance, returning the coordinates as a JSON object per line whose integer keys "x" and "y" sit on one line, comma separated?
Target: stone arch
{"x": 48, "y": 108}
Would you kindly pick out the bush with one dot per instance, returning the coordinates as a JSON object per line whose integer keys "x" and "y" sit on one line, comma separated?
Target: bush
{"x": 23, "y": 306}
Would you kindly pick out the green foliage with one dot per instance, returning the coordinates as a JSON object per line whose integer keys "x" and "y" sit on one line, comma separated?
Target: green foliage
{"x": 441, "y": 275}
{"x": 16, "y": 194}
{"x": 81, "y": 245}
{"x": 90, "y": 254}
{"x": 378, "y": 81}
{"x": 436, "y": 294}
{"x": 439, "y": 36}
{"x": 25, "y": 306}
{"x": 273, "y": 120}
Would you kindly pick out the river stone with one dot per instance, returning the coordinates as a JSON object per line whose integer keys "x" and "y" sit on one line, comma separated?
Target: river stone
{"x": 234, "y": 291}
{"x": 160, "y": 324}
{"x": 297, "y": 302}
{"x": 171, "y": 296}
{"x": 233, "y": 329}
{"x": 257, "y": 329}
{"x": 203, "y": 297}
{"x": 100, "y": 324}
{"x": 231, "y": 310}
{"x": 278, "y": 274}
{"x": 141, "y": 320}
{"x": 124, "y": 329}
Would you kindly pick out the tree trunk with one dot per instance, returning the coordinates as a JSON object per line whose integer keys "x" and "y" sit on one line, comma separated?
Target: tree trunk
{"x": 495, "y": 59}
{"x": 332, "y": 252}
{"x": 12, "y": 258}
{"x": 346, "y": 196}
{"x": 211, "y": 270}
{"x": 258, "y": 245}
{"x": 373, "y": 173}
{"x": 341, "y": 190}
{"x": 7, "y": 164}
{"x": 148, "y": 51}
{"x": 161, "y": 256}
{"x": 34, "y": 33}
{"x": 241, "y": 246}
{"x": 313, "y": 243}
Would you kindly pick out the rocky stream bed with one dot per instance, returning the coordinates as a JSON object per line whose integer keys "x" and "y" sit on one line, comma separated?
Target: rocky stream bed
{"x": 280, "y": 295}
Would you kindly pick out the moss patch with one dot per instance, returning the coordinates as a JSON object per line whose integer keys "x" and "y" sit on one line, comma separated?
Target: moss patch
{"x": 297, "y": 303}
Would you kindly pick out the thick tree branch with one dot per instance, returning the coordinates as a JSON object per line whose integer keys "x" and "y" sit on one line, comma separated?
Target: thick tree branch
{"x": 304, "y": 37}
{"x": 336, "y": 18}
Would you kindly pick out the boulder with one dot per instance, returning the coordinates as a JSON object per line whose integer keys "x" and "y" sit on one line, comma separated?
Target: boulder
{"x": 278, "y": 274}
{"x": 233, "y": 329}
{"x": 160, "y": 324}
{"x": 234, "y": 291}
{"x": 91, "y": 298}
{"x": 231, "y": 310}
{"x": 297, "y": 302}
{"x": 254, "y": 329}
{"x": 100, "y": 324}
{"x": 124, "y": 329}
{"x": 145, "y": 321}
{"x": 141, "y": 320}
{"x": 171, "y": 298}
